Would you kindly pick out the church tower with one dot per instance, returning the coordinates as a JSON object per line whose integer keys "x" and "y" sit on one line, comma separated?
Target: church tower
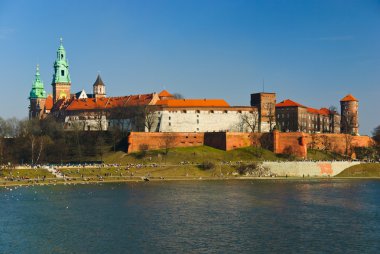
{"x": 99, "y": 89}
{"x": 37, "y": 97}
{"x": 61, "y": 79}
{"x": 349, "y": 122}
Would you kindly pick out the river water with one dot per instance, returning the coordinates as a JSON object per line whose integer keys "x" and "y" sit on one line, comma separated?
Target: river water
{"x": 259, "y": 216}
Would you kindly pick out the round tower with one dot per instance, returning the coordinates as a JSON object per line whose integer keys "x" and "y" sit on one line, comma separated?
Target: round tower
{"x": 37, "y": 97}
{"x": 349, "y": 119}
{"x": 61, "y": 79}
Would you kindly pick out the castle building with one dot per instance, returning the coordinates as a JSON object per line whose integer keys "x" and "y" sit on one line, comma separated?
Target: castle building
{"x": 349, "y": 108}
{"x": 162, "y": 112}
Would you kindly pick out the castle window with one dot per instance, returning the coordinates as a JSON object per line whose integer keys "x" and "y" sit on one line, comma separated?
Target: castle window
{"x": 198, "y": 111}
{"x": 170, "y": 124}
{"x": 197, "y": 121}
{"x": 62, "y": 73}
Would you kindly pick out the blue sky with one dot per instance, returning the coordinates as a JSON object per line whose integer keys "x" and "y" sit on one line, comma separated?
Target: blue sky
{"x": 313, "y": 52}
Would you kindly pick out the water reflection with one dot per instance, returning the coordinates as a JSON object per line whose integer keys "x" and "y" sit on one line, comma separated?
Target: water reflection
{"x": 200, "y": 216}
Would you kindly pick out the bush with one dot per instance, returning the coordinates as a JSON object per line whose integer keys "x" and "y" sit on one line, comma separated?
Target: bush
{"x": 206, "y": 165}
{"x": 253, "y": 169}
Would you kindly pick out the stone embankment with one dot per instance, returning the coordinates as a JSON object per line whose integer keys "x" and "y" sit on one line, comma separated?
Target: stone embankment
{"x": 308, "y": 168}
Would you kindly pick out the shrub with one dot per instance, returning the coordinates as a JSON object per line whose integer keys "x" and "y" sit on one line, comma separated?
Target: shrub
{"x": 253, "y": 169}
{"x": 207, "y": 165}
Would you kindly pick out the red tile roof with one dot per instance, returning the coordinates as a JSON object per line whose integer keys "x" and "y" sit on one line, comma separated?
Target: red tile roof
{"x": 288, "y": 103}
{"x": 110, "y": 102}
{"x": 193, "y": 103}
{"x": 165, "y": 93}
{"x": 349, "y": 97}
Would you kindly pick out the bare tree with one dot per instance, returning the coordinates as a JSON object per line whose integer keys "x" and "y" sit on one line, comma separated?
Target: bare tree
{"x": 169, "y": 140}
{"x": 249, "y": 121}
{"x": 348, "y": 144}
{"x": 348, "y": 122}
{"x": 270, "y": 114}
{"x": 178, "y": 96}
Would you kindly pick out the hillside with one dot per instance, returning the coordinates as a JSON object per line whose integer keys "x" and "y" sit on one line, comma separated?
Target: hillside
{"x": 362, "y": 170}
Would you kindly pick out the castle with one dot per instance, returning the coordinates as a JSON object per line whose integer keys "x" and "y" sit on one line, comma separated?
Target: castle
{"x": 163, "y": 112}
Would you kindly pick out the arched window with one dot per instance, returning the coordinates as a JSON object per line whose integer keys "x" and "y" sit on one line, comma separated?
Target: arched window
{"x": 62, "y": 73}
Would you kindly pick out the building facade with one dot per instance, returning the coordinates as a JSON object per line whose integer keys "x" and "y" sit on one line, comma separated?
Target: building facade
{"x": 162, "y": 112}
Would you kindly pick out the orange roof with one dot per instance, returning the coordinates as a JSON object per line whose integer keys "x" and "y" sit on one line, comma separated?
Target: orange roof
{"x": 349, "y": 97}
{"x": 49, "y": 102}
{"x": 324, "y": 111}
{"x": 165, "y": 93}
{"x": 110, "y": 102}
{"x": 288, "y": 103}
{"x": 193, "y": 103}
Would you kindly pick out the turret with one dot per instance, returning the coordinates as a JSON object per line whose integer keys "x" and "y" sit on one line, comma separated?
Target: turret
{"x": 99, "y": 89}
{"x": 349, "y": 120}
{"x": 61, "y": 78}
{"x": 37, "y": 97}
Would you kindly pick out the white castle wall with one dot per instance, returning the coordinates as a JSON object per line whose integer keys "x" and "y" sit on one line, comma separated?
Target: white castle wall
{"x": 306, "y": 168}
{"x": 199, "y": 121}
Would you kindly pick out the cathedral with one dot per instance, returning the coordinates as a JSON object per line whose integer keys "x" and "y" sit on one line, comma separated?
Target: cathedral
{"x": 163, "y": 112}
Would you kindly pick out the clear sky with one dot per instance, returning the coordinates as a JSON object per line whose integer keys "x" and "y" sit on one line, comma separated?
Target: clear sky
{"x": 313, "y": 52}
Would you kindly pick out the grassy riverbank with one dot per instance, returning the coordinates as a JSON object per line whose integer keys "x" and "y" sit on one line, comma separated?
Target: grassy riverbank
{"x": 362, "y": 170}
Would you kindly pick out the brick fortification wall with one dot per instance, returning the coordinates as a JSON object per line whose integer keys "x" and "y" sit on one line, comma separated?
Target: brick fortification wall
{"x": 338, "y": 143}
{"x": 138, "y": 141}
{"x": 295, "y": 143}
{"x": 290, "y": 143}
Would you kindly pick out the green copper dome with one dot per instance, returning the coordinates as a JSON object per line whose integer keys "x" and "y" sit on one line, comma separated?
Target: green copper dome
{"x": 61, "y": 66}
{"x": 38, "y": 90}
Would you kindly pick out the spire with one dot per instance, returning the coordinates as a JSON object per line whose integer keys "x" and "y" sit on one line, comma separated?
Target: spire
{"x": 61, "y": 66}
{"x": 98, "y": 81}
{"x": 38, "y": 90}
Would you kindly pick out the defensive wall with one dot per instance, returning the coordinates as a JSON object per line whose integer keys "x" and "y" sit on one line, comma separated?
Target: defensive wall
{"x": 306, "y": 168}
{"x": 295, "y": 143}
{"x": 138, "y": 141}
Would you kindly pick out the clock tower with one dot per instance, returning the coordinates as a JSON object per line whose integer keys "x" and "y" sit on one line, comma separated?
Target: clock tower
{"x": 61, "y": 78}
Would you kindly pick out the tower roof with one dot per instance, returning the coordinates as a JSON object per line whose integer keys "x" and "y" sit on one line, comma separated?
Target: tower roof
{"x": 38, "y": 90}
{"x": 349, "y": 97}
{"x": 98, "y": 81}
{"x": 165, "y": 93}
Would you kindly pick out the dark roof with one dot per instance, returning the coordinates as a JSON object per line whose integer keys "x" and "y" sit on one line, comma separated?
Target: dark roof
{"x": 98, "y": 81}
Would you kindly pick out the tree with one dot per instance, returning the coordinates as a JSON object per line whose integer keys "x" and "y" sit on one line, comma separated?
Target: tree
{"x": 270, "y": 114}
{"x": 178, "y": 96}
{"x": 169, "y": 140}
{"x": 249, "y": 121}
{"x": 348, "y": 144}
{"x": 348, "y": 122}
{"x": 376, "y": 134}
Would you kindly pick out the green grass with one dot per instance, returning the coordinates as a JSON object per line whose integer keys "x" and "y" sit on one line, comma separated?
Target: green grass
{"x": 362, "y": 170}
{"x": 192, "y": 154}
{"x": 323, "y": 155}
{"x": 162, "y": 171}
{"x": 26, "y": 173}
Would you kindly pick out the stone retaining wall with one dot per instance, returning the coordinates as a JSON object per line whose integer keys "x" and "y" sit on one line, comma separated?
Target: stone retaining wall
{"x": 308, "y": 168}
